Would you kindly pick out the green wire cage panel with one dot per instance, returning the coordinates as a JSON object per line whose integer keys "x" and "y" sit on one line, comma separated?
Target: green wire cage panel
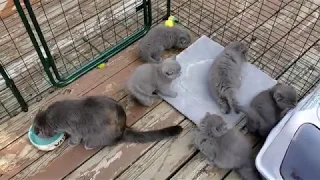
{"x": 47, "y": 43}
{"x": 51, "y": 43}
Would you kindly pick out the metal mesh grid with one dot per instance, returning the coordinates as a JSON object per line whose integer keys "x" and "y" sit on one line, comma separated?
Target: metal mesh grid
{"x": 283, "y": 34}
{"x": 283, "y": 37}
{"x": 75, "y": 32}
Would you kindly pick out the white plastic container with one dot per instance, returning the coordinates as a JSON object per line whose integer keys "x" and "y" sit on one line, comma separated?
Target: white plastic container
{"x": 291, "y": 149}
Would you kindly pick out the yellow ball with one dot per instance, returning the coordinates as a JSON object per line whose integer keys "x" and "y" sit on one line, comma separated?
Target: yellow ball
{"x": 169, "y": 23}
{"x": 100, "y": 66}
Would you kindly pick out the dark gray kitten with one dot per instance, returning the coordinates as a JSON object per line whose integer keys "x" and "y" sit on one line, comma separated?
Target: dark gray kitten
{"x": 150, "y": 78}
{"x": 225, "y": 148}
{"x": 269, "y": 107}
{"x": 95, "y": 120}
{"x": 225, "y": 76}
{"x": 161, "y": 38}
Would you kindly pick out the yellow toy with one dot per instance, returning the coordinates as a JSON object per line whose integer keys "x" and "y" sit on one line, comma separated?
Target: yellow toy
{"x": 100, "y": 66}
{"x": 171, "y": 21}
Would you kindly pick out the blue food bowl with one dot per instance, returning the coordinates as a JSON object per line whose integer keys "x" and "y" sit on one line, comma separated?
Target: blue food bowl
{"x": 45, "y": 144}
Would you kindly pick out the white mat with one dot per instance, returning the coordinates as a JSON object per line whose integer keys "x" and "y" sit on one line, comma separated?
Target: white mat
{"x": 194, "y": 99}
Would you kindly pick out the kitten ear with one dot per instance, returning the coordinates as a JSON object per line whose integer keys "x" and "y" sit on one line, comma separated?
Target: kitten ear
{"x": 278, "y": 96}
{"x": 207, "y": 114}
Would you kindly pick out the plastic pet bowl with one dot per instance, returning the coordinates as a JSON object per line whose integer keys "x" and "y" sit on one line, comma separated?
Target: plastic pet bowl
{"x": 45, "y": 144}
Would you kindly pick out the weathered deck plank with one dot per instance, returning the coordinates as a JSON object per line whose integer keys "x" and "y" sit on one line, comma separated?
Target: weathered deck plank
{"x": 15, "y": 164}
{"x": 20, "y": 124}
{"x": 164, "y": 158}
{"x": 198, "y": 168}
{"x": 111, "y": 87}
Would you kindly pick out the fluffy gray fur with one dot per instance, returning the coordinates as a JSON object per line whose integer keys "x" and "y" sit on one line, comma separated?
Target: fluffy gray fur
{"x": 225, "y": 148}
{"x": 224, "y": 76}
{"x": 161, "y": 38}
{"x": 153, "y": 78}
{"x": 269, "y": 107}
{"x": 95, "y": 120}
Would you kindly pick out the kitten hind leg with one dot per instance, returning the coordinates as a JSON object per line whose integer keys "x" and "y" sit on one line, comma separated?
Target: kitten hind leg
{"x": 144, "y": 100}
{"x": 156, "y": 55}
{"x": 224, "y": 106}
{"x": 74, "y": 140}
{"x": 230, "y": 95}
{"x": 99, "y": 141}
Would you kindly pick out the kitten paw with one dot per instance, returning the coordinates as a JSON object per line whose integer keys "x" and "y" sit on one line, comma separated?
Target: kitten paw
{"x": 73, "y": 142}
{"x": 173, "y": 94}
{"x": 211, "y": 164}
{"x": 146, "y": 102}
{"x": 88, "y": 148}
{"x": 225, "y": 110}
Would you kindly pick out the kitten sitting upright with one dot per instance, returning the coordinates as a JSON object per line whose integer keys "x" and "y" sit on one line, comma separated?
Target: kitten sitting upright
{"x": 161, "y": 38}
{"x": 225, "y": 148}
{"x": 269, "y": 107}
{"x": 224, "y": 76}
{"x": 96, "y": 120}
{"x": 150, "y": 78}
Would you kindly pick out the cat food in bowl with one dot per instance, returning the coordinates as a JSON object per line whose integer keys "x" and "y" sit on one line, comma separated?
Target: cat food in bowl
{"x": 45, "y": 144}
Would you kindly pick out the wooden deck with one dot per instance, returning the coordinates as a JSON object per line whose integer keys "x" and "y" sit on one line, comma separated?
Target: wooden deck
{"x": 169, "y": 159}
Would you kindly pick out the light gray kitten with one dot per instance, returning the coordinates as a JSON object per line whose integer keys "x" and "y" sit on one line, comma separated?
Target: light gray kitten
{"x": 153, "y": 78}
{"x": 225, "y": 148}
{"x": 224, "y": 76}
{"x": 269, "y": 107}
{"x": 97, "y": 121}
{"x": 161, "y": 38}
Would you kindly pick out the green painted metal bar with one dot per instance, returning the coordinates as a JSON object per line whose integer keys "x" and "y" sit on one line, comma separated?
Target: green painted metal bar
{"x": 42, "y": 39}
{"x": 34, "y": 41}
{"x": 48, "y": 63}
{"x": 11, "y": 85}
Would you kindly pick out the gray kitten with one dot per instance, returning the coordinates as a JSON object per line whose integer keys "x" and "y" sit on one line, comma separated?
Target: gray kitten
{"x": 150, "y": 78}
{"x": 225, "y": 148}
{"x": 161, "y": 38}
{"x": 269, "y": 107}
{"x": 224, "y": 76}
{"x": 95, "y": 120}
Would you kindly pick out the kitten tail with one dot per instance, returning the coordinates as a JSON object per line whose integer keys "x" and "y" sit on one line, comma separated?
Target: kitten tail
{"x": 134, "y": 136}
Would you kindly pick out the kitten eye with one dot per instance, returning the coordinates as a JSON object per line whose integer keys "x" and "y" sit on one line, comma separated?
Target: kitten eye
{"x": 220, "y": 127}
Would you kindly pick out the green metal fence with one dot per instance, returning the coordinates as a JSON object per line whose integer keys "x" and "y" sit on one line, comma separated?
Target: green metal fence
{"x": 51, "y": 43}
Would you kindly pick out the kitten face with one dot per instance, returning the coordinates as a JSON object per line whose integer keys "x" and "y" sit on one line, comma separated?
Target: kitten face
{"x": 237, "y": 49}
{"x": 184, "y": 39}
{"x": 213, "y": 125}
{"x": 171, "y": 68}
{"x": 41, "y": 128}
{"x": 285, "y": 96}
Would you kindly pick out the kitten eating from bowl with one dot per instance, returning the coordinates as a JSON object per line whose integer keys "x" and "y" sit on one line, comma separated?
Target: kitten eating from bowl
{"x": 45, "y": 143}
